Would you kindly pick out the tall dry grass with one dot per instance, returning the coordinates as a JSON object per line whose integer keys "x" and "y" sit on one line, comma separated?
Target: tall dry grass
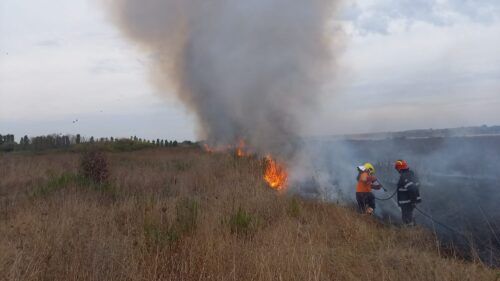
{"x": 181, "y": 214}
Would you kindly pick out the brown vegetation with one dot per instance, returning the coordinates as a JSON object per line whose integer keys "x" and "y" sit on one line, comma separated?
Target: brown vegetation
{"x": 94, "y": 166}
{"x": 181, "y": 214}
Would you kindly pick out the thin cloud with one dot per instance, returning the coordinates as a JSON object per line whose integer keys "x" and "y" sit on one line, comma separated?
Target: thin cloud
{"x": 48, "y": 43}
{"x": 380, "y": 16}
{"x": 110, "y": 66}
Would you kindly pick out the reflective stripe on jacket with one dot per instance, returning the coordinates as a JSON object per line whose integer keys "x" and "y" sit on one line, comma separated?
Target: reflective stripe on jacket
{"x": 408, "y": 188}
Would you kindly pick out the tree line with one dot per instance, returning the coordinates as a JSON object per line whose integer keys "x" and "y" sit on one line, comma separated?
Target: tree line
{"x": 39, "y": 143}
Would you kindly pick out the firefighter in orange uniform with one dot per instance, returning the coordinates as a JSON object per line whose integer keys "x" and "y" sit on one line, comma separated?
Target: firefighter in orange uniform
{"x": 366, "y": 182}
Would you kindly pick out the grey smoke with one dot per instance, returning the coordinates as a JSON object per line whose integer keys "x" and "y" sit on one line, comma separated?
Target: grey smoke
{"x": 459, "y": 182}
{"x": 250, "y": 70}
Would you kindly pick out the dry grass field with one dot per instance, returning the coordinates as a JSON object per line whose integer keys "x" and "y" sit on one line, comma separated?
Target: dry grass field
{"x": 182, "y": 214}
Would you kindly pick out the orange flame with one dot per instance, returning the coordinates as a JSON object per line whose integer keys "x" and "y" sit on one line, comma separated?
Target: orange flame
{"x": 275, "y": 174}
{"x": 240, "y": 150}
{"x": 208, "y": 148}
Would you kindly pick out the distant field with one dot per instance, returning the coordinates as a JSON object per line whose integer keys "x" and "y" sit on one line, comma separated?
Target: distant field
{"x": 182, "y": 214}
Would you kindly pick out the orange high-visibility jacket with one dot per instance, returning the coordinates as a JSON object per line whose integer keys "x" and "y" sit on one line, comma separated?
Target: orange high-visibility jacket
{"x": 365, "y": 182}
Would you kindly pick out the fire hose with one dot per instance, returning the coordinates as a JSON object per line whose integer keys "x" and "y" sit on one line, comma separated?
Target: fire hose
{"x": 440, "y": 223}
{"x": 467, "y": 238}
{"x": 424, "y": 214}
{"x": 388, "y": 198}
{"x": 449, "y": 228}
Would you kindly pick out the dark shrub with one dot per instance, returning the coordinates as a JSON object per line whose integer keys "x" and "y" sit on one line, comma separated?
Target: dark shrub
{"x": 94, "y": 166}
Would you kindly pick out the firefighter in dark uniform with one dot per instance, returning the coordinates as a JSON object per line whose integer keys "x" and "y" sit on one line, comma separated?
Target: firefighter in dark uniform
{"x": 408, "y": 192}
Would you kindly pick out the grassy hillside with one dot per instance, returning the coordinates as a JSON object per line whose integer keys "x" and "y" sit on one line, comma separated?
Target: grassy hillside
{"x": 181, "y": 214}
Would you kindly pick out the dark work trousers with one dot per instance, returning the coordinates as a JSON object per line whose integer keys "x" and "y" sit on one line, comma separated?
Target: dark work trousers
{"x": 365, "y": 200}
{"x": 407, "y": 212}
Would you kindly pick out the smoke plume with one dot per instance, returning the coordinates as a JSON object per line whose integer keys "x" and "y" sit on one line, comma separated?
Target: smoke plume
{"x": 250, "y": 70}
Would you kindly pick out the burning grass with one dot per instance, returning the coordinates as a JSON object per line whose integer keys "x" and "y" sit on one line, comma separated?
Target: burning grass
{"x": 275, "y": 174}
{"x": 213, "y": 219}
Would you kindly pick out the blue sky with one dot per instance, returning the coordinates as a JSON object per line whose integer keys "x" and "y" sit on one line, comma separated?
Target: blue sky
{"x": 403, "y": 65}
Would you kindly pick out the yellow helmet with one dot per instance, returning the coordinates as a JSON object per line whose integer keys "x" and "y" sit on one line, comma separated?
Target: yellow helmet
{"x": 369, "y": 167}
